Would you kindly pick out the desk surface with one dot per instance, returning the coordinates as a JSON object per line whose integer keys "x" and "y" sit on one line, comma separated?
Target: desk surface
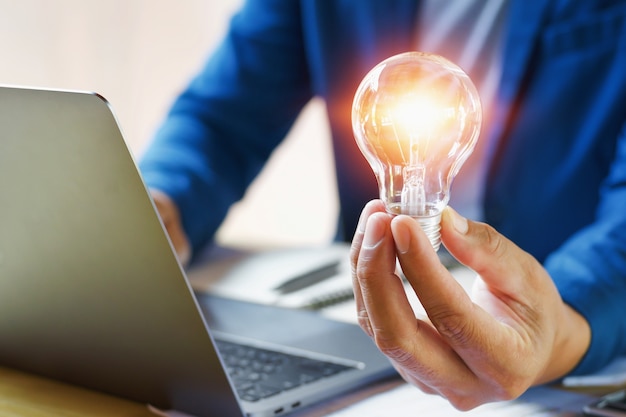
{"x": 25, "y": 395}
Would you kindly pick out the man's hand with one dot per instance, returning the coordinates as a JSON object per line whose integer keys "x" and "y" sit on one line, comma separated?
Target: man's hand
{"x": 514, "y": 331}
{"x": 171, "y": 219}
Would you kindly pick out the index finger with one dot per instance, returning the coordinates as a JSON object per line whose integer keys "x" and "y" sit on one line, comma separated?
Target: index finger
{"x": 466, "y": 327}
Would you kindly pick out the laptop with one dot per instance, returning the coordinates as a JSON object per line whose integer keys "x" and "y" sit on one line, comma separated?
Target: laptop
{"x": 92, "y": 294}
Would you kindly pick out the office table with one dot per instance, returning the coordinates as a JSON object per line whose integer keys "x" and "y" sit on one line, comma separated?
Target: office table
{"x": 26, "y": 395}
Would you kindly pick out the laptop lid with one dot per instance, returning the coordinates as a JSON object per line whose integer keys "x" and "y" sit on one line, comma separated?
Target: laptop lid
{"x": 91, "y": 292}
{"x": 85, "y": 264}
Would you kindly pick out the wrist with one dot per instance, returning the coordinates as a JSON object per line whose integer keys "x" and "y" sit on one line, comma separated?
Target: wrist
{"x": 572, "y": 340}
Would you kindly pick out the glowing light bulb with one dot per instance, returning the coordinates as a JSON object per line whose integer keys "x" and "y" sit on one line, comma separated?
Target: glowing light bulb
{"x": 416, "y": 118}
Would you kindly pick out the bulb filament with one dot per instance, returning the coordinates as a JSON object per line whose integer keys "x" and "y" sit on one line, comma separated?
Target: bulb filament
{"x": 413, "y": 196}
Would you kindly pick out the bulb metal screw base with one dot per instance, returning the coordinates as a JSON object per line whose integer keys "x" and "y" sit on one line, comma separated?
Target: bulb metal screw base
{"x": 431, "y": 225}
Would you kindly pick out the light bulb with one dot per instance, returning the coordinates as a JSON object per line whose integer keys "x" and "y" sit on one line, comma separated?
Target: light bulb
{"x": 416, "y": 118}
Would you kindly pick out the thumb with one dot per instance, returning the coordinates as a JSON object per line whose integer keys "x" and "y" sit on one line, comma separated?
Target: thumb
{"x": 492, "y": 256}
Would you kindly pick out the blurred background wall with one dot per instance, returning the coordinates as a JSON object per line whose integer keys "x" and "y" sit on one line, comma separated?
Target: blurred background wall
{"x": 139, "y": 54}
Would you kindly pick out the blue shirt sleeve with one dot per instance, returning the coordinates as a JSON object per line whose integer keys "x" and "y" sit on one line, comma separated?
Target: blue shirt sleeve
{"x": 222, "y": 129}
{"x": 590, "y": 270}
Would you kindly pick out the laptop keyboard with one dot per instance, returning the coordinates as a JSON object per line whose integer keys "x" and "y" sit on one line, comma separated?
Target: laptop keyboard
{"x": 259, "y": 373}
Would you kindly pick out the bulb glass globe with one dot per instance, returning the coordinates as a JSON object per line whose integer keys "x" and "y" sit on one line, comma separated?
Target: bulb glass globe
{"x": 416, "y": 118}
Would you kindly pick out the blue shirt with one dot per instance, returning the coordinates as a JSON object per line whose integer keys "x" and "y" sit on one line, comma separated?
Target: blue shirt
{"x": 556, "y": 180}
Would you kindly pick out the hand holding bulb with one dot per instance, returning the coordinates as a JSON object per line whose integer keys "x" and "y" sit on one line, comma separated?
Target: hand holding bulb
{"x": 514, "y": 330}
{"x": 416, "y": 118}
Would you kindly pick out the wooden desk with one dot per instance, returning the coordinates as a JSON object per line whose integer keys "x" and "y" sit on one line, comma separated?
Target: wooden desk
{"x": 24, "y": 395}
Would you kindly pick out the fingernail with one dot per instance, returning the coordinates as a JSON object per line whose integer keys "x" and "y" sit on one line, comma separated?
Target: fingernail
{"x": 374, "y": 233}
{"x": 459, "y": 222}
{"x": 401, "y": 235}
